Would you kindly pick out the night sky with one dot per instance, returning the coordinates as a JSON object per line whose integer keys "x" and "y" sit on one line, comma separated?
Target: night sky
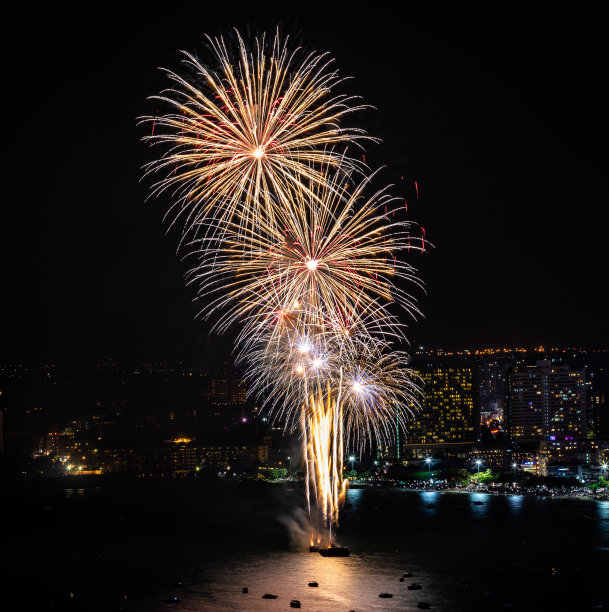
{"x": 499, "y": 114}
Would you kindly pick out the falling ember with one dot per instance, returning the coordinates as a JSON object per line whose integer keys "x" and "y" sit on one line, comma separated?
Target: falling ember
{"x": 416, "y": 187}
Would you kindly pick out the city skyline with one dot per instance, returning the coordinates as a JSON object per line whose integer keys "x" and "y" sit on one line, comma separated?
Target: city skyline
{"x": 471, "y": 399}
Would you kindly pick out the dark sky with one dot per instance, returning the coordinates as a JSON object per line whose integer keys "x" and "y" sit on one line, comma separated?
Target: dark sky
{"x": 500, "y": 114}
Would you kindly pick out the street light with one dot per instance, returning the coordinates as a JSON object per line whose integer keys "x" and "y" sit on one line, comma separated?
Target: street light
{"x": 514, "y": 466}
{"x": 428, "y": 461}
{"x": 290, "y": 460}
{"x": 604, "y": 468}
{"x": 478, "y": 463}
{"x": 352, "y": 459}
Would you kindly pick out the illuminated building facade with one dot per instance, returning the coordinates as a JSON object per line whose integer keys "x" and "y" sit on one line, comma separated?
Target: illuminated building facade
{"x": 491, "y": 374}
{"x": 523, "y": 404}
{"x": 600, "y": 414}
{"x": 450, "y": 411}
{"x": 179, "y": 457}
{"x": 546, "y": 402}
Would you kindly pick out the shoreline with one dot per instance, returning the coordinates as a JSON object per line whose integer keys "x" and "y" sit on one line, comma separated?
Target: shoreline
{"x": 545, "y": 493}
{"x": 85, "y": 482}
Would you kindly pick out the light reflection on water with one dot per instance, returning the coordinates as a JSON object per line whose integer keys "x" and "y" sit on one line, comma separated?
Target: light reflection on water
{"x": 439, "y": 561}
{"x": 457, "y": 549}
{"x": 430, "y": 500}
{"x": 479, "y": 504}
{"x": 515, "y": 503}
{"x": 602, "y": 511}
{"x": 352, "y": 583}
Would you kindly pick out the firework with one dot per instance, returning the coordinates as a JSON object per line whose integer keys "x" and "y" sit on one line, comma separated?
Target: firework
{"x": 288, "y": 247}
{"x": 378, "y": 390}
{"x": 261, "y": 124}
{"x": 329, "y": 256}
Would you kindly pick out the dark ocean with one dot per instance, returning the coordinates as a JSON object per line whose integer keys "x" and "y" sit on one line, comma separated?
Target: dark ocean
{"x": 126, "y": 545}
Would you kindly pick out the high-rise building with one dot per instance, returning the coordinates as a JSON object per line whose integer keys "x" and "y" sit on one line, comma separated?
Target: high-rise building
{"x": 491, "y": 374}
{"x": 546, "y": 402}
{"x": 523, "y": 404}
{"x": 600, "y": 412}
{"x": 450, "y": 411}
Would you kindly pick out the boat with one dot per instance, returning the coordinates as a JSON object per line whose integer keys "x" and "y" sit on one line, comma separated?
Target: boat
{"x": 314, "y": 548}
{"x": 407, "y": 575}
{"x": 269, "y": 596}
{"x": 313, "y": 584}
{"x": 334, "y": 551}
{"x": 385, "y": 595}
{"x": 245, "y": 590}
{"x": 423, "y": 605}
{"x": 401, "y": 579}
{"x": 295, "y": 603}
{"x": 415, "y": 586}
{"x": 174, "y": 599}
{"x": 179, "y": 584}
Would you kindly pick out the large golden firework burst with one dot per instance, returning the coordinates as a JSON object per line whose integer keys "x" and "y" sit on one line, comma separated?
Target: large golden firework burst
{"x": 333, "y": 254}
{"x": 242, "y": 138}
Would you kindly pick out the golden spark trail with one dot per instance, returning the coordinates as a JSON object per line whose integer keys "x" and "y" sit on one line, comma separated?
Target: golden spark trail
{"x": 325, "y": 451}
